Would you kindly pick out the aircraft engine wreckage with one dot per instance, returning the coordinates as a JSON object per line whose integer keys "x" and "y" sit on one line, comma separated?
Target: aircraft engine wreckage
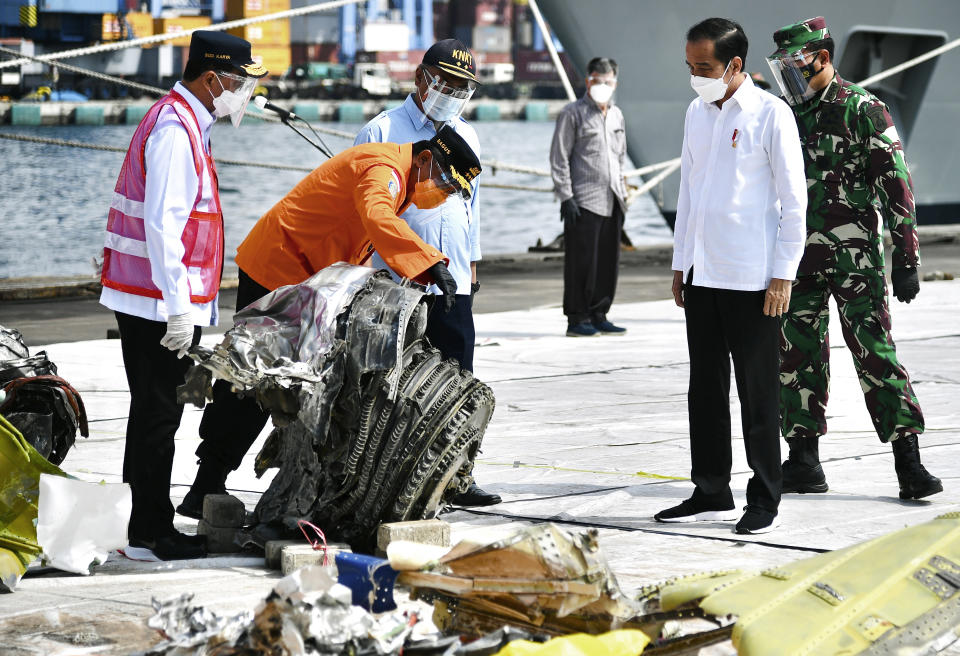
{"x": 371, "y": 423}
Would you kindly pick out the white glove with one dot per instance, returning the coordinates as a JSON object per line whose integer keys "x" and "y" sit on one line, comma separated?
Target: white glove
{"x": 179, "y": 335}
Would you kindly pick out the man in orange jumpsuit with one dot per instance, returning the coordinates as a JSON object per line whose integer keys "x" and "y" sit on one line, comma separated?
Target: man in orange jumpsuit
{"x": 342, "y": 211}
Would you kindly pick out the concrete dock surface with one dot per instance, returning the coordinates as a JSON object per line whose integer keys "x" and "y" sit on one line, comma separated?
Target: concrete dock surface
{"x": 587, "y": 432}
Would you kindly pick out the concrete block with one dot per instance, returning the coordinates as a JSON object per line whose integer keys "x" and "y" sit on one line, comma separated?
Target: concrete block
{"x": 88, "y": 115}
{"x": 424, "y": 531}
{"x": 487, "y": 113}
{"x": 273, "y": 551}
{"x": 26, "y": 114}
{"x": 219, "y": 539}
{"x": 224, "y": 511}
{"x": 133, "y": 114}
{"x": 295, "y": 556}
{"x": 349, "y": 112}
{"x": 536, "y": 111}
{"x": 309, "y": 111}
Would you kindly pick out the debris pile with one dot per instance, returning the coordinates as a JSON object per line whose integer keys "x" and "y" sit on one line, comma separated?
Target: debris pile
{"x": 372, "y": 424}
{"x": 42, "y": 406}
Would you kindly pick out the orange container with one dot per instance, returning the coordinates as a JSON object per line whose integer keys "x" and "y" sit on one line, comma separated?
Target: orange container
{"x": 180, "y": 24}
{"x": 270, "y": 33}
{"x": 110, "y": 28}
{"x": 140, "y": 22}
{"x": 276, "y": 58}
{"x": 245, "y": 8}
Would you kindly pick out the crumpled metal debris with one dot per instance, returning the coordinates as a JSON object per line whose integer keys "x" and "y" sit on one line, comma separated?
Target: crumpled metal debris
{"x": 44, "y": 407}
{"x": 372, "y": 424}
{"x": 550, "y": 582}
{"x": 307, "y": 612}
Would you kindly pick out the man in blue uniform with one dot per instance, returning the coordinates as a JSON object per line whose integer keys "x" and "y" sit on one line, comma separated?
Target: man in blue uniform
{"x": 445, "y": 81}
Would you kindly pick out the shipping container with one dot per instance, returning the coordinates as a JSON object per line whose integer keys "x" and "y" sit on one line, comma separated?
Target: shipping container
{"x": 401, "y": 64}
{"x": 482, "y": 12}
{"x": 385, "y": 36}
{"x": 77, "y": 6}
{"x": 273, "y": 33}
{"x": 138, "y": 24}
{"x": 536, "y": 66}
{"x": 179, "y": 24}
{"x": 303, "y": 53}
{"x": 319, "y": 27}
{"x": 110, "y": 28}
{"x": 276, "y": 59}
{"x": 246, "y": 8}
{"x": 491, "y": 38}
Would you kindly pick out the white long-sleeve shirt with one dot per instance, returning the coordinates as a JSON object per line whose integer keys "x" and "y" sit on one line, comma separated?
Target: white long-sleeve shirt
{"x": 171, "y": 189}
{"x": 741, "y": 214}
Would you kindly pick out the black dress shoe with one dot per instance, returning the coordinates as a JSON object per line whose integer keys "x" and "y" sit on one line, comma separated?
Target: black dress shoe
{"x": 173, "y": 546}
{"x": 192, "y": 505}
{"x": 474, "y": 496}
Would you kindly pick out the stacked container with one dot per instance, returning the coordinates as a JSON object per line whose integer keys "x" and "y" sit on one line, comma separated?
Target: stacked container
{"x": 270, "y": 40}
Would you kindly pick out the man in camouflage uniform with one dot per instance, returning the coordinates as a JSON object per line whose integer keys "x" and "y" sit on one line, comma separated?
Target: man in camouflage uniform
{"x": 855, "y": 167}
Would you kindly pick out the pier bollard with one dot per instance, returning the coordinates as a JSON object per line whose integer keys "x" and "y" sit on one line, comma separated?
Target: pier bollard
{"x": 349, "y": 112}
{"x": 487, "y": 113}
{"x": 307, "y": 111}
{"x": 26, "y": 114}
{"x": 88, "y": 115}
{"x": 133, "y": 114}
{"x": 536, "y": 111}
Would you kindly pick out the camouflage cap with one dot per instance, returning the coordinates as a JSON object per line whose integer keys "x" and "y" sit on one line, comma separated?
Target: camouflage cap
{"x": 792, "y": 38}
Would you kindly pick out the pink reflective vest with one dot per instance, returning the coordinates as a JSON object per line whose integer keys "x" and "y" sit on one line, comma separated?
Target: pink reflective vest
{"x": 126, "y": 262}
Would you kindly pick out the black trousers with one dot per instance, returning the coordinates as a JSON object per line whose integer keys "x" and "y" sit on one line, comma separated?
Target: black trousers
{"x": 452, "y": 333}
{"x": 591, "y": 259}
{"x": 722, "y": 324}
{"x": 153, "y": 375}
{"x": 231, "y": 424}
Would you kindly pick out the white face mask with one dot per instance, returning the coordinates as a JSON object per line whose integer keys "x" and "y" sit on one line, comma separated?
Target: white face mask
{"x": 232, "y": 103}
{"x": 710, "y": 89}
{"x": 601, "y": 93}
{"x": 444, "y": 102}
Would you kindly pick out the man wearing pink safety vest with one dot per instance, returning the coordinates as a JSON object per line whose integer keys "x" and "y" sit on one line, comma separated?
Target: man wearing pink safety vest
{"x": 162, "y": 261}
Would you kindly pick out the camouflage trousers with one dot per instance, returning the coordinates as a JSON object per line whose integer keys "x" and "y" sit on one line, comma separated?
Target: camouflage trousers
{"x": 861, "y": 299}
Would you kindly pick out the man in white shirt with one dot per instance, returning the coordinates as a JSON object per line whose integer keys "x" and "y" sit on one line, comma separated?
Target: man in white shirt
{"x": 163, "y": 258}
{"x": 738, "y": 240}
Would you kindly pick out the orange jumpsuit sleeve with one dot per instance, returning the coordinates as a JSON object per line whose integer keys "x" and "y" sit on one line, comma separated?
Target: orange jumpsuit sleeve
{"x": 398, "y": 245}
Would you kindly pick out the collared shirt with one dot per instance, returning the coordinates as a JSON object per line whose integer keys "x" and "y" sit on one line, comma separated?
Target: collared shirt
{"x": 170, "y": 192}
{"x": 586, "y": 156}
{"x": 743, "y": 192}
{"x": 453, "y": 227}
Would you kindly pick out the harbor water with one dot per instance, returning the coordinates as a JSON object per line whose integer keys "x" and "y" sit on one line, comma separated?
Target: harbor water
{"x": 55, "y": 199}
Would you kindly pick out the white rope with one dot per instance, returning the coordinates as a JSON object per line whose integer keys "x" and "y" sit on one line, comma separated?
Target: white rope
{"x": 160, "y": 38}
{"x": 650, "y": 168}
{"x": 652, "y": 182}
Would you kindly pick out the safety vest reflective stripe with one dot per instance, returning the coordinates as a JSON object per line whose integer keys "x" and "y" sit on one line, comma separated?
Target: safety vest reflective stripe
{"x": 126, "y": 263}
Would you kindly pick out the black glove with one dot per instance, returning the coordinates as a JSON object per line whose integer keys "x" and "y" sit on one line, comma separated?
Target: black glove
{"x": 906, "y": 284}
{"x": 569, "y": 212}
{"x": 474, "y": 287}
{"x": 442, "y": 278}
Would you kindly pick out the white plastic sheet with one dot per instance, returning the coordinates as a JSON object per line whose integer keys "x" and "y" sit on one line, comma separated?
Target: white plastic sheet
{"x": 79, "y": 523}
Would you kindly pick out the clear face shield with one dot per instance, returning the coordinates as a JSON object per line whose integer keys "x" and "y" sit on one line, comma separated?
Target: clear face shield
{"x": 793, "y": 74}
{"x": 433, "y": 187}
{"x": 232, "y": 101}
{"x": 444, "y": 102}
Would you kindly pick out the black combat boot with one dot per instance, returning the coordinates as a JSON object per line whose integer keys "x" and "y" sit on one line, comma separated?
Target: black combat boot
{"x": 211, "y": 479}
{"x": 915, "y": 481}
{"x": 801, "y": 470}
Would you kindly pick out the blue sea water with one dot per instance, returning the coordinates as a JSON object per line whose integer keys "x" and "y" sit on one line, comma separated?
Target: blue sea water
{"x": 55, "y": 199}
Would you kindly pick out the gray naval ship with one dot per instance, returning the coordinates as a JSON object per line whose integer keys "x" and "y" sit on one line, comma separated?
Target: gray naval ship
{"x": 647, "y": 38}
